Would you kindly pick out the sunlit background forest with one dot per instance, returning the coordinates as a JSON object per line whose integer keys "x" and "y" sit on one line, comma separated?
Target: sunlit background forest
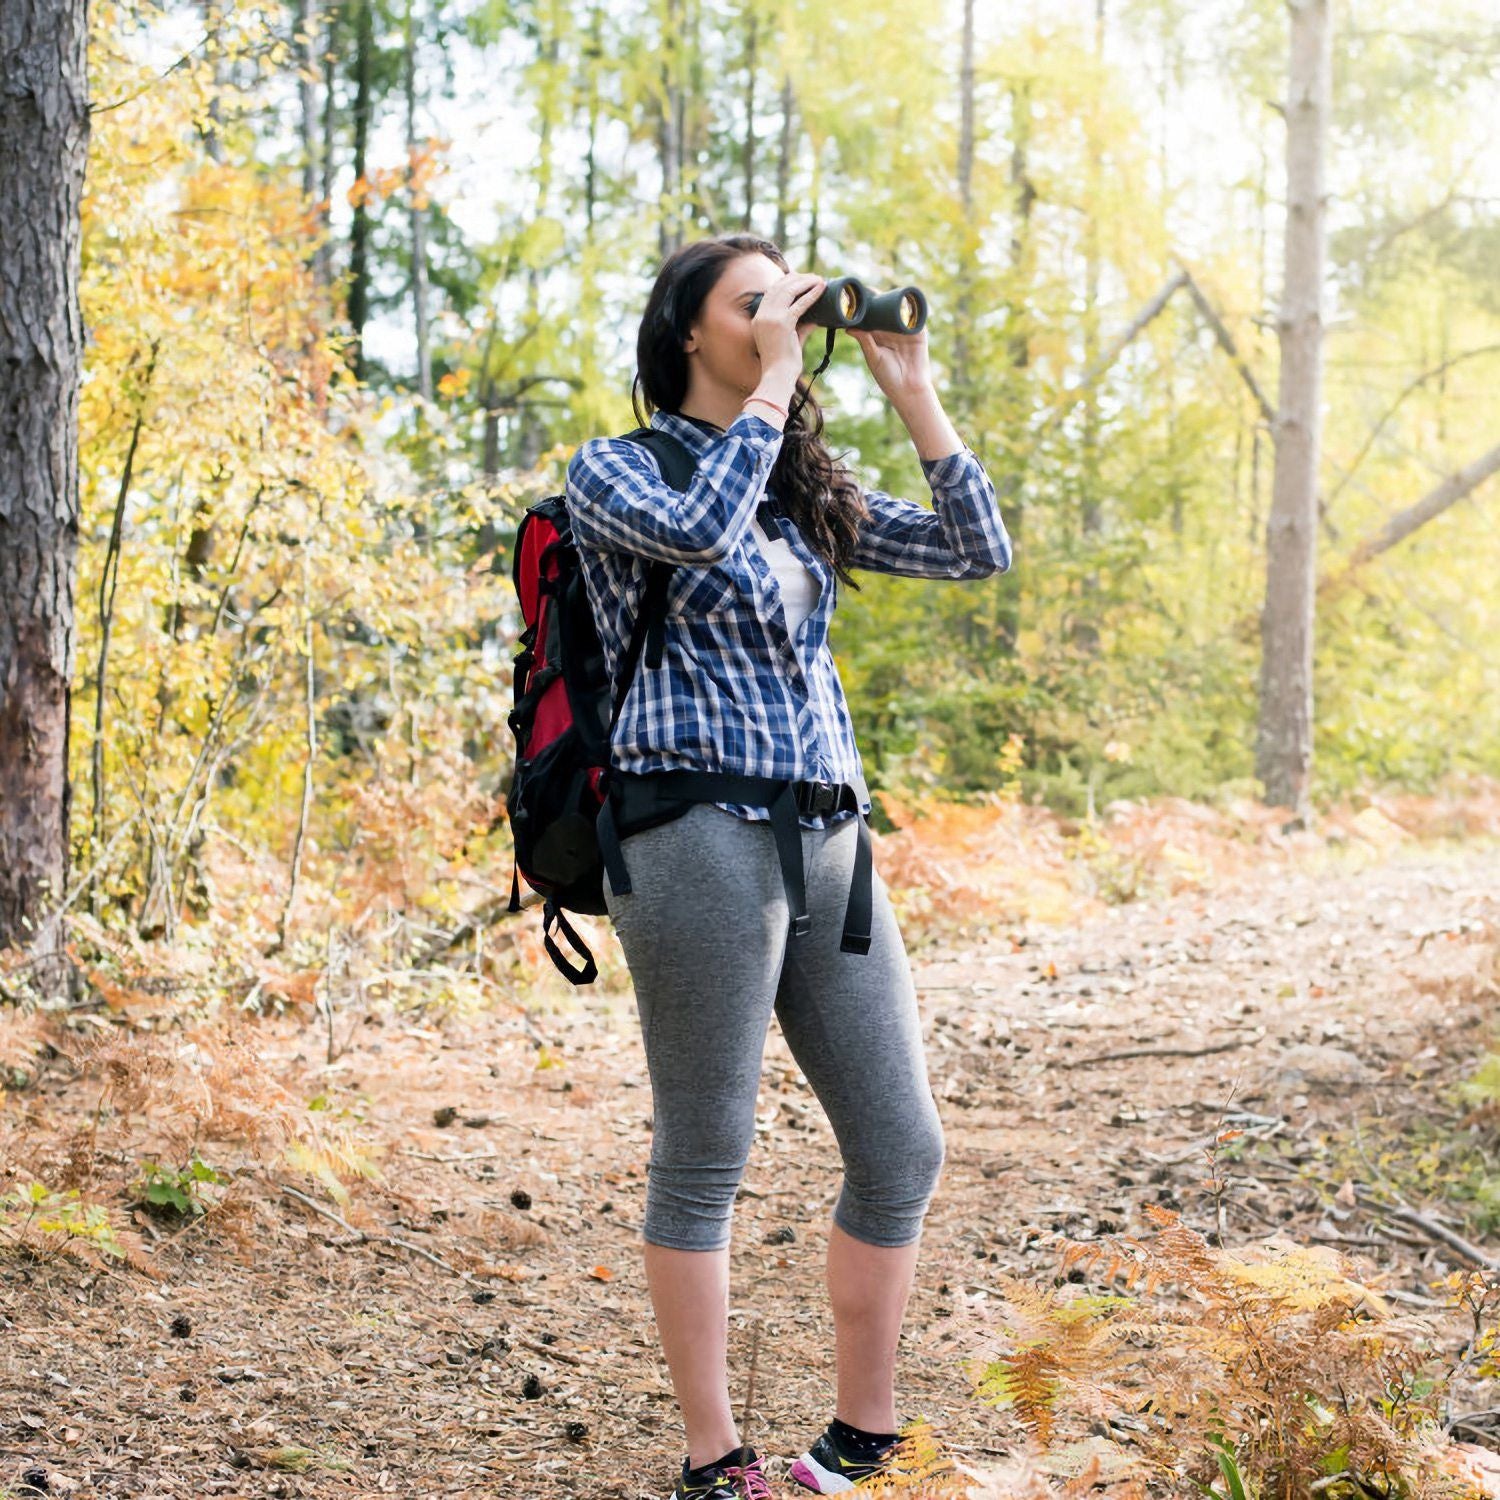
{"x": 357, "y": 281}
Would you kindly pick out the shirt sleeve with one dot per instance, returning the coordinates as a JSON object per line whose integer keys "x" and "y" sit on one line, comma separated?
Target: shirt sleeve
{"x": 618, "y": 502}
{"x": 963, "y": 536}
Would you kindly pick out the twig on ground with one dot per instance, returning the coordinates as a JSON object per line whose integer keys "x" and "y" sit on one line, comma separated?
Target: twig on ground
{"x": 1104, "y": 1057}
{"x": 1473, "y": 1419}
{"x": 363, "y": 1236}
{"x": 1429, "y": 1227}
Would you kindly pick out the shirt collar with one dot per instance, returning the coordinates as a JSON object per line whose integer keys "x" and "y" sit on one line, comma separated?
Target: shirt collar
{"x": 692, "y": 432}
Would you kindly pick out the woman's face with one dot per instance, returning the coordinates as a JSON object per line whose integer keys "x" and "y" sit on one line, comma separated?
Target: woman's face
{"x": 720, "y": 343}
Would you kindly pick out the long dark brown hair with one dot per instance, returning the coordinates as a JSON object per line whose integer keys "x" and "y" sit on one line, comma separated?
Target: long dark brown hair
{"x": 821, "y": 496}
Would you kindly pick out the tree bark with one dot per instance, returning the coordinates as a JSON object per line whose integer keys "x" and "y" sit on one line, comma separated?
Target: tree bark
{"x": 323, "y": 264}
{"x": 44, "y": 135}
{"x": 784, "y": 162}
{"x": 669, "y": 130}
{"x": 213, "y": 141}
{"x": 1085, "y": 630}
{"x": 418, "y": 215}
{"x": 1010, "y": 491}
{"x": 1284, "y": 742}
{"x": 964, "y": 310}
{"x": 359, "y": 235}
{"x": 593, "y": 54}
{"x": 747, "y": 154}
{"x": 305, "y": 49}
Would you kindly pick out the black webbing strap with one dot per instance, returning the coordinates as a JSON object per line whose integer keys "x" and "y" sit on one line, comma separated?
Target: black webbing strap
{"x": 677, "y": 467}
{"x": 552, "y": 912}
{"x": 640, "y": 794}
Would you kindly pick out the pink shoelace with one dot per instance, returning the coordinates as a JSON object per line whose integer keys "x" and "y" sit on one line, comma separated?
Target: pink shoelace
{"x": 753, "y": 1478}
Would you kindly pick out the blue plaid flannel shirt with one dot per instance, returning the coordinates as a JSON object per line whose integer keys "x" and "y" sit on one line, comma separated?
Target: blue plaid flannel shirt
{"x": 735, "y": 691}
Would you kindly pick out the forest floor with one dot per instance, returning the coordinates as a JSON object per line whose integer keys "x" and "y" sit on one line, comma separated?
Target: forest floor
{"x": 479, "y": 1325}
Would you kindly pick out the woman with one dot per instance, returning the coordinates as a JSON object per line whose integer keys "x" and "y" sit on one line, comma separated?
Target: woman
{"x": 747, "y": 686}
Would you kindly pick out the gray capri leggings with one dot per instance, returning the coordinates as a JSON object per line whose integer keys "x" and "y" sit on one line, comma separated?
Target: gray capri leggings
{"x": 706, "y": 935}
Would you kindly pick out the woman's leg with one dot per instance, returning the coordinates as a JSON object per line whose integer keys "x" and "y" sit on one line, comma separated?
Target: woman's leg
{"x": 851, "y": 1022}
{"x": 703, "y": 930}
{"x": 690, "y": 1296}
{"x": 868, "y": 1286}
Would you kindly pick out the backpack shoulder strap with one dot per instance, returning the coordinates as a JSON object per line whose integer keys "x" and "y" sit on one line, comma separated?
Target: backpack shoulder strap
{"x": 677, "y": 465}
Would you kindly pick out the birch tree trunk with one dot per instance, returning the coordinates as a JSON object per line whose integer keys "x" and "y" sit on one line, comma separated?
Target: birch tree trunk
{"x": 1284, "y": 742}
{"x": 44, "y": 135}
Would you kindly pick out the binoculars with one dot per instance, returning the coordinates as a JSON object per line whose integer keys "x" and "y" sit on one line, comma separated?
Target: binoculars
{"x": 846, "y": 302}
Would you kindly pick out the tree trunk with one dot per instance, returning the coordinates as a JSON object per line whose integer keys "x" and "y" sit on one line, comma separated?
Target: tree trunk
{"x": 359, "y": 235}
{"x": 213, "y": 141}
{"x": 1085, "y": 631}
{"x": 964, "y": 310}
{"x": 1283, "y": 752}
{"x": 323, "y": 264}
{"x": 816, "y": 194}
{"x": 44, "y": 135}
{"x": 1010, "y": 491}
{"x": 305, "y": 49}
{"x": 784, "y": 161}
{"x": 669, "y": 131}
{"x": 747, "y": 154}
{"x": 593, "y": 54}
{"x": 418, "y": 214}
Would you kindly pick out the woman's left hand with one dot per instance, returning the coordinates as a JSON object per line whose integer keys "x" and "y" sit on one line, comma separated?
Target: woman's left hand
{"x": 898, "y": 361}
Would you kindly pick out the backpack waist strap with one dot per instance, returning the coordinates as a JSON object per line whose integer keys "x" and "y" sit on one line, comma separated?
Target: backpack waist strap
{"x": 635, "y": 799}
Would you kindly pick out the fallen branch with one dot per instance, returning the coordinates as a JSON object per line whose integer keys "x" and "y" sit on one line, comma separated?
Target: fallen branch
{"x": 1429, "y": 1227}
{"x": 1472, "y": 1419}
{"x": 1402, "y": 1212}
{"x": 364, "y": 1237}
{"x": 1104, "y": 1057}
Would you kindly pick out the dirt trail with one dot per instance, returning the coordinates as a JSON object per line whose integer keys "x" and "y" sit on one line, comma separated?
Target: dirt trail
{"x": 1296, "y": 1001}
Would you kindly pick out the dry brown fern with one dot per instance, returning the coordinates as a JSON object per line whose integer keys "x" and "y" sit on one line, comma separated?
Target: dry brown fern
{"x": 1051, "y": 1338}
{"x": 1275, "y": 1347}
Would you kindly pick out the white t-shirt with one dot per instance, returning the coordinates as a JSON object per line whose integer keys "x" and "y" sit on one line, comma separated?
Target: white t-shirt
{"x": 799, "y": 587}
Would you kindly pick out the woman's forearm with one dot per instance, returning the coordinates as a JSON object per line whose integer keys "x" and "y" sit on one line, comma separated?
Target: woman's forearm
{"x": 931, "y": 431}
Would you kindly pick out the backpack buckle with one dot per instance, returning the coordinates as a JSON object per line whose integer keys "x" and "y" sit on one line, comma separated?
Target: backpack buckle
{"x": 814, "y": 798}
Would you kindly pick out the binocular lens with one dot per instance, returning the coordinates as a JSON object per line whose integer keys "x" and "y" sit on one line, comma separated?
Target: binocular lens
{"x": 846, "y": 302}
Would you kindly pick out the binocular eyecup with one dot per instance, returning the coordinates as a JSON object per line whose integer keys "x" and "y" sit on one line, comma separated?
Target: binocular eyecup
{"x": 846, "y": 302}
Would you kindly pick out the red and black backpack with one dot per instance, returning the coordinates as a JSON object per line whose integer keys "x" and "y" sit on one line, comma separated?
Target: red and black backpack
{"x": 563, "y": 717}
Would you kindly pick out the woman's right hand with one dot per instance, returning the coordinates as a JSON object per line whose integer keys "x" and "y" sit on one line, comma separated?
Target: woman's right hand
{"x": 778, "y": 338}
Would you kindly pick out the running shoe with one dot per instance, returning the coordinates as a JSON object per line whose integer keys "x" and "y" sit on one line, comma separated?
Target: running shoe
{"x": 828, "y": 1468}
{"x": 736, "y": 1476}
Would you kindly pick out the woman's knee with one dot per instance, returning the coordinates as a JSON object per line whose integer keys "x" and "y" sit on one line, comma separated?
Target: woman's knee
{"x": 690, "y": 1206}
{"x": 885, "y": 1199}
